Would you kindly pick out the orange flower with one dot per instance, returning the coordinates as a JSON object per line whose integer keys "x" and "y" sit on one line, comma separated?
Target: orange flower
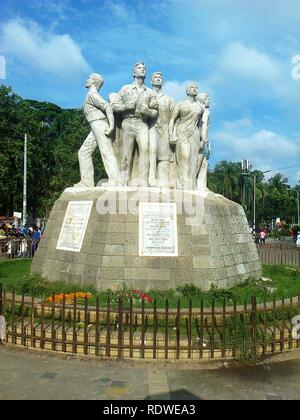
{"x": 69, "y": 297}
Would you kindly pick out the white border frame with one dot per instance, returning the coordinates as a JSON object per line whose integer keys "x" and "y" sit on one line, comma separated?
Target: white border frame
{"x": 62, "y": 248}
{"x": 141, "y": 242}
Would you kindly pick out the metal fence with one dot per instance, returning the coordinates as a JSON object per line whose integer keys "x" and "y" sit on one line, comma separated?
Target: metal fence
{"x": 123, "y": 331}
{"x": 279, "y": 254}
{"x": 11, "y": 249}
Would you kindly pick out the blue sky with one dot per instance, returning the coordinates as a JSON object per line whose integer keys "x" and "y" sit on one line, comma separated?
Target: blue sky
{"x": 240, "y": 51}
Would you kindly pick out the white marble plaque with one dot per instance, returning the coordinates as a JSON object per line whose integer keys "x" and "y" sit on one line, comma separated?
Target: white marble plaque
{"x": 74, "y": 226}
{"x": 158, "y": 230}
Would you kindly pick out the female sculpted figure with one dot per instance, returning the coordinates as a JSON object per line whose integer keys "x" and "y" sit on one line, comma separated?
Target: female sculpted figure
{"x": 185, "y": 132}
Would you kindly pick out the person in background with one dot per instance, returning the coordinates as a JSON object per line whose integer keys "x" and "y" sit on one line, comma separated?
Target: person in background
{"x": 35, "y": 239}
{"x": 263, "y": 237}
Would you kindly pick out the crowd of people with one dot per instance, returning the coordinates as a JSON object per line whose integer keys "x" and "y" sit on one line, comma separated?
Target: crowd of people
{"x": 18, "y": 241}
{"x": 261, "y": 235}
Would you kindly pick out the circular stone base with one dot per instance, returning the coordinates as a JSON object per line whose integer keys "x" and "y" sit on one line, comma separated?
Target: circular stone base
{"x": 214, "y": 243}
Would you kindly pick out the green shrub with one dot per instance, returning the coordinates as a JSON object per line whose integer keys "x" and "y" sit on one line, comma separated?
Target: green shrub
{"x": 189, "y": 290}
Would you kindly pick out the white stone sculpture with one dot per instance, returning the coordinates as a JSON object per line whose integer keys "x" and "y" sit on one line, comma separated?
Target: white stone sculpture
{"x": 137, "y": 104}
{"x": 204, "y": 154}
{"x": 160, "y": 152}
{"x": 185, "y": 133}
{"x": 100, "y": 116}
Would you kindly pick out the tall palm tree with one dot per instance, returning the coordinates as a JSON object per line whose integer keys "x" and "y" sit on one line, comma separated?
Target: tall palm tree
{"x": 226, "y": 179}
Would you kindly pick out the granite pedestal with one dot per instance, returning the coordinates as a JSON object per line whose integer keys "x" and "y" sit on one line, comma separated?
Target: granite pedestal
{"x": 214, "y": 243}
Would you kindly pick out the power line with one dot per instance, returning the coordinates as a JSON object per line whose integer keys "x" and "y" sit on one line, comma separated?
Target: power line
{"x": 287, "y": 167}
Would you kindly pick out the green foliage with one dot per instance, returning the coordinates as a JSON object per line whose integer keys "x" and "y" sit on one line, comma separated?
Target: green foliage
{"x": 273, "y": 197}
{"x": 285, "y": 282}
{"x": 219, "y": 295}
{"x": 189, "y": 290}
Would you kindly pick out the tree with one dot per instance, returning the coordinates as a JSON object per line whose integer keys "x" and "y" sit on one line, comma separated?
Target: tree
{"x": 226, "y": 179}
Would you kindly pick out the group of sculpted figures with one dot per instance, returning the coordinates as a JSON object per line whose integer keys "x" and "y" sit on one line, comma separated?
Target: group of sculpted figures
{"x": 144, "y": 137}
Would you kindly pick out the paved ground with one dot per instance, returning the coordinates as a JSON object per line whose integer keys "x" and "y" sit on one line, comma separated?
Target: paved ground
{"x": 35, "y": 375}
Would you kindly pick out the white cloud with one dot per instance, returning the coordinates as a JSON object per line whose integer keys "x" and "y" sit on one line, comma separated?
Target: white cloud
{"x": 250, "y": 64}
{"x": 58, "y": 55}
{"x": 265, "y": 149}
{"x": 177, "y": 90}
{"x": 241, "y": 68}
{"x": 118, "y": 9}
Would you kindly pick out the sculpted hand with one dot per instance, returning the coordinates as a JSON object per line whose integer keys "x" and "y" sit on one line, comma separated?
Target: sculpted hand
{"x": 131, "y": 105}
{"x": 144, "y": 109}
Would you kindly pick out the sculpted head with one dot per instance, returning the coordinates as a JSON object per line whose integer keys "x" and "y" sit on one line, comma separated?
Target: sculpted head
{"x": 139, "y": 70}
{"x": 157, "y": 79}
{"x": 204, "y": 98}
{"x": 192, "y": 90}
{"x": 95, "y": 79}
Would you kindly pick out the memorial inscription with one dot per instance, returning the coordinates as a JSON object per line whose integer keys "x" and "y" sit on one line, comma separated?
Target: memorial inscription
{"x": 158, "y": 230}
{"x": 74, "y": 226}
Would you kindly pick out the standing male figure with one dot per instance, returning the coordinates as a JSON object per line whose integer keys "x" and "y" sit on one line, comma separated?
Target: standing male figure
{"x": 100, "y": 116}
{"x": 159, "y": 146}
{"x": 204, "y": 99}
{"x": 137, "y": 104}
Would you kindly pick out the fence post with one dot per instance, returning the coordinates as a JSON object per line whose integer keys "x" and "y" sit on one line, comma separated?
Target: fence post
{"x": 86, "y": 330}
{"x": 13, "y": 324}
{"x": 254, "y": 325}
{"x": 97, "y": 326}
{"x": 282, "y": 335}
{"x": 23, "y": 337}
{"x": 2, "y": 321}
{"x": 1, "y": 299}
{"x": 143, "y": 332}
{"x": 224, "y": 329}
{"x": 74, "y": 321}
{"x": 63, "y": 325}
{"x": 190, "y": 329}
{"x": 32, "y": 321}
{"x": 234, "y": 338}
{"x": 155, "y": 330}
{"x": 265, "y": 342}
{"x": 213, "y": 326}
{"x": 274, "y": 325}
{"x": 42, "y": 336}
{"x": 53, "y": 335}
{"x": 166, "y": 329}
{"x": 178, "y": 330}
{"x": 120, "y": 322}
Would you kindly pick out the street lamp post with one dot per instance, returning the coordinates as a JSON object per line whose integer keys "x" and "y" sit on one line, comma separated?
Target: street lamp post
{"x": 254, "y": 202}
{"x": 25, "y": 182}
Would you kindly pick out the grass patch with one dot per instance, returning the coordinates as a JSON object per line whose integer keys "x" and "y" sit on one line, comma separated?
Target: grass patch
{"x": 15, "y": 275}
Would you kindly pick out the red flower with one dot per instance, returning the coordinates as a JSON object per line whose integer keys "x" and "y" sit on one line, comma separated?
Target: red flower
{"x": 143, "y": 296}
